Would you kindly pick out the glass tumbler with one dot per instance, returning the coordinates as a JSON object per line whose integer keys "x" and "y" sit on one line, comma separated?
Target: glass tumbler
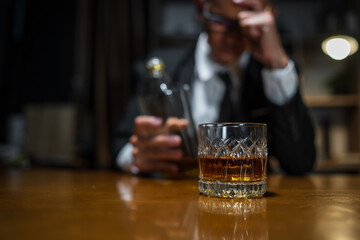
{"x": 232, "y": 159}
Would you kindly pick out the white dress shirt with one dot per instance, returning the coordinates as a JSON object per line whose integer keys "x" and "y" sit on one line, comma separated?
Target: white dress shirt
{"x": 208, "y": 90}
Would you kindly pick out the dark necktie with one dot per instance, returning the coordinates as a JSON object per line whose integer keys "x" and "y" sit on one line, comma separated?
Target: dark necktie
{"x": 226, "y": 107}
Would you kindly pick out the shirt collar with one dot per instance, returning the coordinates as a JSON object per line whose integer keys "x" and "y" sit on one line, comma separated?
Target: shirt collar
{"x": 206, "y": 68}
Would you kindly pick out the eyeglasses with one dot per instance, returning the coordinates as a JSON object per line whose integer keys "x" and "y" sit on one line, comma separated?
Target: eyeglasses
{"x": 221, "y": 24}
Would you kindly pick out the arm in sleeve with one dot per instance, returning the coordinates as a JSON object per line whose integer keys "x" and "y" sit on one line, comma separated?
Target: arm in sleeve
{"x": 280, "y": 85}
{"x": 125, "y": 159}
{"x": 291, "y": 130}
{"x": 293, "y": 136}
{"x": 121, "y": 149}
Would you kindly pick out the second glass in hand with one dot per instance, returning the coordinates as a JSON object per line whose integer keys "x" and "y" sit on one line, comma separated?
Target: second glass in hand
{"x": 232, "y": 159}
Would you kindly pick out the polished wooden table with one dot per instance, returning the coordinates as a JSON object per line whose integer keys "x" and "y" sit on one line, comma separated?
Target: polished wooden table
{"x": 68, "y": 204}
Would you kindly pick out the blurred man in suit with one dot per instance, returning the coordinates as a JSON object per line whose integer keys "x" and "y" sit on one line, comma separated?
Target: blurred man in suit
{"x": 241, "y": 42}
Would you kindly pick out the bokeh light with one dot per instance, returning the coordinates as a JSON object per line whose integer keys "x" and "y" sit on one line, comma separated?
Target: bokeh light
{"x": 340, "y": 47}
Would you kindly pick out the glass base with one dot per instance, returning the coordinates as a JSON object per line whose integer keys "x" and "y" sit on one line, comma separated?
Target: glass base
{"x": 231, "y": 189}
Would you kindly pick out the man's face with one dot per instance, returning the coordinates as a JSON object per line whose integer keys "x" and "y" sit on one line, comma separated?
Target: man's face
{"x": 225, "y": 38}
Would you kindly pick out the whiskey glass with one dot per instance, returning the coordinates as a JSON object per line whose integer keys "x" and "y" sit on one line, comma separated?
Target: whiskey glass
{"x": 232, "y": 159}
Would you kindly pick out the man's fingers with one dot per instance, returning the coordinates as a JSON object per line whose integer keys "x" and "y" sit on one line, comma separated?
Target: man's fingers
{"x": 155, "y": 148}
{"x": 152, "y": 161}
{"x": 159, "y": 141}
{"x": 151, "y": 166}
{"x": 147, "y": 125}
{"x": 175, "y": 124}
{"x": 158, "y": 154}
{"x": 254, "y": 24}
{"x": 254, "y": 5}
{"x": 247, "y": 18}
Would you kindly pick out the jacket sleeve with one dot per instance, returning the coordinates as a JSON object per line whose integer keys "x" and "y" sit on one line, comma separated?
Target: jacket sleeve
{"x": 292, "y": 136}
{"x": 290, "y": 129}
{"x": 124, "y": 130}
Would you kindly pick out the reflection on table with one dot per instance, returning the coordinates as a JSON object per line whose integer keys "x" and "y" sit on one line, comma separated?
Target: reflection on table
{"x": 232, "y": 218}
{"x": 66, "y": 204}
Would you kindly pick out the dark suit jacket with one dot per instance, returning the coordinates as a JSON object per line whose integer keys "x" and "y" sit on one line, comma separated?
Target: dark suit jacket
{"x": 291, "y": 133}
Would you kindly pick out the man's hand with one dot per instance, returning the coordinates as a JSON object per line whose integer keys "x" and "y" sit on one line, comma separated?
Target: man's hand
{"x": 156, "y": 149}
{"x": 258, "y": 24}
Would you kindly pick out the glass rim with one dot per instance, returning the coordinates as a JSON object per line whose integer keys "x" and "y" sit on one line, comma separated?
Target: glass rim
{"x": 233, "y": 124}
